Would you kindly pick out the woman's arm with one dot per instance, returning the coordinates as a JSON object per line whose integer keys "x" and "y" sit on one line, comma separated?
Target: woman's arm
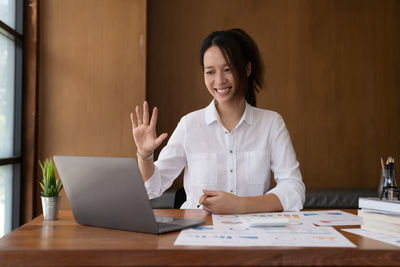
{"x": 146, "y": 168}
{"x": 159, "y": 175}
{"x": 265, "y": 203}
{"x": 221, "y": 202}
{"x": 146, "y": 140}
{"x": 289, "y": 188}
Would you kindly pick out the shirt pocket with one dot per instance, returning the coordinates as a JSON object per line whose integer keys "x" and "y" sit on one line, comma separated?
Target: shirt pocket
{"x": 202, "y": 168}
{"x": 256, "y": 165}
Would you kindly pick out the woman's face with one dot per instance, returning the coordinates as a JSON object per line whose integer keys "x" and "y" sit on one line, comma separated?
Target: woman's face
{"x": 218, "y": 76}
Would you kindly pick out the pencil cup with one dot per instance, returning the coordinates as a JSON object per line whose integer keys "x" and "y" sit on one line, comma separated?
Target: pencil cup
{"x": 381, "y": 182}
{"x": 391, "y": 181}
{"x": 388, "y": 186}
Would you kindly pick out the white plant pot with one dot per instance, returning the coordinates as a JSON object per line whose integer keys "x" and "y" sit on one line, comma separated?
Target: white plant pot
{"x": 50, "y": 206}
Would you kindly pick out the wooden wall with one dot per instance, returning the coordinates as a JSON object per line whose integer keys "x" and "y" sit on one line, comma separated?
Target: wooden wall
{"x": 92, "y": 67}
{"x": 332, "y": 72}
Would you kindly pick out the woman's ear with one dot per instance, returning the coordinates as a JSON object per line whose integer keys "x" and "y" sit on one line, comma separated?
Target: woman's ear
{"x": 248, "y": 69}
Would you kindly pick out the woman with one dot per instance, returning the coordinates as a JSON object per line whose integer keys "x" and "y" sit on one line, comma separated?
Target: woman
{"x": 228, "y": 148}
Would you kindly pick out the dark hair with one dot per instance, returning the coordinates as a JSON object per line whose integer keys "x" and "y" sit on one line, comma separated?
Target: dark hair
{"x": 238, "y": 49}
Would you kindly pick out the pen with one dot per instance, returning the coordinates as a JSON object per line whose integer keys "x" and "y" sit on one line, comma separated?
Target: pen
{"x": 391, "y": 169}
{"x": 387, "y": 168}
{"x": 201, "y": 200}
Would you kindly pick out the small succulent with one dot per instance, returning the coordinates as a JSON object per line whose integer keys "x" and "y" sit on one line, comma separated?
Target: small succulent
{"x": 50, "y": 185}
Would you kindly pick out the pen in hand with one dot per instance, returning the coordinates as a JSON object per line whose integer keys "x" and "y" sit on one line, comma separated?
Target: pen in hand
{"x": 202, "y": 198}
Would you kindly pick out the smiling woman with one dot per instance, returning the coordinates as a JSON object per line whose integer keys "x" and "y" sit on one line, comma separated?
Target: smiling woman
{"x": 229, "y": 148}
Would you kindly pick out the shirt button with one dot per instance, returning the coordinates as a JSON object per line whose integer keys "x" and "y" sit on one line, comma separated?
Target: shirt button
{"x": 231, "y": 151}
{"x": 231, "y": 191}
{"x": 226, "y": 132}
{"x": 231, "y": 170}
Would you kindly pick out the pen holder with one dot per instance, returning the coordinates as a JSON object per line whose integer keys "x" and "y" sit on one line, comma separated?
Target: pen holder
{"x": 381, "y": 182}
{"x": 388, "y": 186}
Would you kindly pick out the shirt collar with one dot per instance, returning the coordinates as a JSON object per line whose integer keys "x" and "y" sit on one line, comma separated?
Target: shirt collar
{"x": 211, "y": 114}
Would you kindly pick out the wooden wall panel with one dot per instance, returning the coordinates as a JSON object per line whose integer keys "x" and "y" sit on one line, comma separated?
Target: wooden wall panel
{"x": 92, "y": 69}
{"x": 332, "y": 71}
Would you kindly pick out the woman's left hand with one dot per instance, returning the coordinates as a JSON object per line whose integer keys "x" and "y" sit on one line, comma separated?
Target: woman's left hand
{"x": 220, "y": 202}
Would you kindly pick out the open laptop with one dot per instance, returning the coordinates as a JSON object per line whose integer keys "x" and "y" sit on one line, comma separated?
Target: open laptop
{"x": 109, "y": 192}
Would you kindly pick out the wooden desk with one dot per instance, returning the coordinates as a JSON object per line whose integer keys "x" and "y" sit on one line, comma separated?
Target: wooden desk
{"x": 65, "y": 243}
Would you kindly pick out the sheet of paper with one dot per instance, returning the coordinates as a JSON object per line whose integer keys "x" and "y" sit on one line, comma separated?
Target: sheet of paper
{"x": 321, "y": 218}
{"x": 208, "y": 235}
{"x": 331, "y": 218}
{"x": 228, "y": 230}
{"x": 296, "y": 224}
{"x": 379, "y": 237}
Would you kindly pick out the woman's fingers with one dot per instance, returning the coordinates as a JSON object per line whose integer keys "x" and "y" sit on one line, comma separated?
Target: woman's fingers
{"x": 201, "y": 200}
{"x": 143, "y": 118}
{"x": 139, "y": 115}
{"x": 160, "y": 139}
{"x": 133, "y": 120}
{"x": 145, "y": 113}
{"x": 153, "y": 120}
{"x": 145, "y": 133}
{"x": 207, "y": 209}
{"x": 211, "y": 193}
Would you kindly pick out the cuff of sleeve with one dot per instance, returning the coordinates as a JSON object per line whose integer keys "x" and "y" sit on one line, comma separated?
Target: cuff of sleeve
{"x": 289, "y": 198}
{"x": 153, "y": 184}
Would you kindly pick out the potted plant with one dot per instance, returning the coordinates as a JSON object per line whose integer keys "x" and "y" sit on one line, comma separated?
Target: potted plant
{"x": 51, "y": 188}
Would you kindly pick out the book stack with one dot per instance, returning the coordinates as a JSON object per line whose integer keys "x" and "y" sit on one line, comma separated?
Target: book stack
{"x": 380, "y": 216}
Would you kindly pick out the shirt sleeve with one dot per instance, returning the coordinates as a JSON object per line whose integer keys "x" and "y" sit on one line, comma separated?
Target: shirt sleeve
{"x": 290, "y": 188}
{"x": 170, "y": 163}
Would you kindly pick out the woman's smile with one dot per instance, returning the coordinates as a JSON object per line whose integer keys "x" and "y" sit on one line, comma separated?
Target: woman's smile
{"x": 223, "y": 91}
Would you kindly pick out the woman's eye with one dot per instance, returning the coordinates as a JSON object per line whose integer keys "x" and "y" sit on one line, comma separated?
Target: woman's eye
{"x": 227, "y": 70}
{"x": 209, "y": 72}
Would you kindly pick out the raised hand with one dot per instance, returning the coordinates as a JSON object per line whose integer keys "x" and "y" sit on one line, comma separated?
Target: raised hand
{"x": 144, "y": 131}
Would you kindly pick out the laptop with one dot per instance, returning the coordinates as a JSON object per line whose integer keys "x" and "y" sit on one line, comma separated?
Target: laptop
{"x": 109, "y": 192}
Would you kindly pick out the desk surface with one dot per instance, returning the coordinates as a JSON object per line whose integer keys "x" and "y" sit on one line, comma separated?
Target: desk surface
{"x": 66, "y": 243}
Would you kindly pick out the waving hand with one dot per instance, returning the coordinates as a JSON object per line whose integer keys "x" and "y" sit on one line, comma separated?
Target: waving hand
{"x": 144, "y": 131}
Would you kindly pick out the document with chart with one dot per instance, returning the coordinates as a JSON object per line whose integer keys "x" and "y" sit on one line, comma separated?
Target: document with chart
{"x": 330, "y": 217}
{"x": 230, "y": 230}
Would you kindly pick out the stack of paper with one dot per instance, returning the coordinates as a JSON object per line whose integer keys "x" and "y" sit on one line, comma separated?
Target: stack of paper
{"x": 380, "y": 216}
{"x": 379, "y": 205}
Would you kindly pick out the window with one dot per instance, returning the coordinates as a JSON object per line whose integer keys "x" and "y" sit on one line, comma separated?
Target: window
{"x": 10, "y": 112}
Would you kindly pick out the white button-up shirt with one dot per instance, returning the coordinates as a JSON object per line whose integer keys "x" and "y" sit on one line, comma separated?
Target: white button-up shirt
{"x": 238, "y": 162}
